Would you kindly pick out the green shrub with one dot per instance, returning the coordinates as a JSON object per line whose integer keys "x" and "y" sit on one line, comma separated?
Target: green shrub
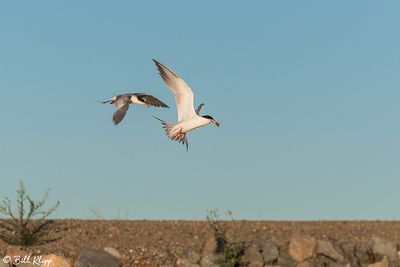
{"x": 28, "y": 225}
{"x": 231, "y": 251}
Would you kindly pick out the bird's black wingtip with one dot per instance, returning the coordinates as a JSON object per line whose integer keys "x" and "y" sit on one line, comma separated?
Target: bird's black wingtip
{"x": 185, "y": 143}
{"x": 158, "y": 119}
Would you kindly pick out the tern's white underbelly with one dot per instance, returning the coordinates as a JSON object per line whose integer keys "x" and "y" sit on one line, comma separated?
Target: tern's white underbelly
{"x": 192, "y": 124}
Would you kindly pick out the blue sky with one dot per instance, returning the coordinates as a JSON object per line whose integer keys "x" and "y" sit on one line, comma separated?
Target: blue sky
{"x": 306, "y": 92}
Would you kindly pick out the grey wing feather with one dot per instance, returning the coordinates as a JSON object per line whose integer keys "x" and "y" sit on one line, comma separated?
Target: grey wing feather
{"x": 120, "y": 114}
{"x": 199, "y": 108}
{"x": 166, "y": 73}
{"x": 151, "y": 100}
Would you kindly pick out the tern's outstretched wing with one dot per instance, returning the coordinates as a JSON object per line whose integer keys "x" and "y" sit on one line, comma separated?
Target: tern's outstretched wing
{"x": 199, "y": 108}
{"x": 122, "y": 104}
{"x": 183, "y": 94}
{"x": 151, "y": 100}
{"x": 120, "y": 114}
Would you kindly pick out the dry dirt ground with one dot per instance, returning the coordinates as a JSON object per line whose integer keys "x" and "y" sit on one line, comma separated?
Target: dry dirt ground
{"x": 156, "y": 243}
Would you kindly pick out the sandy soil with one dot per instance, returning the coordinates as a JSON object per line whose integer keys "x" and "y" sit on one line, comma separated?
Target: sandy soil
{"x": 156, "y": 242}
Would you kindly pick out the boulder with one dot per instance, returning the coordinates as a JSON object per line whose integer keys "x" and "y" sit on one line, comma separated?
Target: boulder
{"x": 209, "y": 247}
{"x": 383, "y": 263}
{"x": 330, "y": 250}
{"x": 191, "y": 255}
{"x": 363, "y": 253}
{"x": 349, "y": 254}
{"x": 302, "y": 247}
{"x": 336, "y": 264}
{"x": 324, "y": 261}
{"x": 186, "y": 263}
{"x": 252, "y": 256}
{"x": 381, "y": 247}
{"x": 53, "y": 260}
{"x": 189, "y": 258}
{"x": 27, "y": 265}
{"x": 269, "y": 250}
{"x": 321, "y": 261}
{"x": 285, "y": 260}
{"x": 309, "y": 263}
{"x": 211, "y": 260}
{"x": 113, "y": 252}
{"x": 96, "y": 258}
{"x": 17, "y": 255}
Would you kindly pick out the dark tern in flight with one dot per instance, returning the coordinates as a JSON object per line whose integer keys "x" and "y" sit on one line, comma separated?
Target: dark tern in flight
{"x": 123, "y": 101}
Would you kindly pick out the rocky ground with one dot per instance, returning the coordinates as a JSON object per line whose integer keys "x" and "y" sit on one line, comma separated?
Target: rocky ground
{"x": 167, "y": 243}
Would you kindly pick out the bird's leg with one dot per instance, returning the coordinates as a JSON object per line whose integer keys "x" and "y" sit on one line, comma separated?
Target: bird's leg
{"x": 183, "y": 136}
{"x": 180, "y": 135}
{"x": 177, "y": 135}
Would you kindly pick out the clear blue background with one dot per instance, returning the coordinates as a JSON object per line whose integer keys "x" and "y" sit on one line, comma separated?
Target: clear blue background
{"x": 307, "y": 93}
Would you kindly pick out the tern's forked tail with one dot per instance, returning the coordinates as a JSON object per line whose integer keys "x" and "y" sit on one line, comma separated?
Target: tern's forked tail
{"x": 174, "y": 133}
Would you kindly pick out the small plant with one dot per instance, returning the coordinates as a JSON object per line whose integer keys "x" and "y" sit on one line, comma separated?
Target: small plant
{"x": 231, "y": 251}
{"x": 96, "y": 212}
{"x": 27, "y": 226}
